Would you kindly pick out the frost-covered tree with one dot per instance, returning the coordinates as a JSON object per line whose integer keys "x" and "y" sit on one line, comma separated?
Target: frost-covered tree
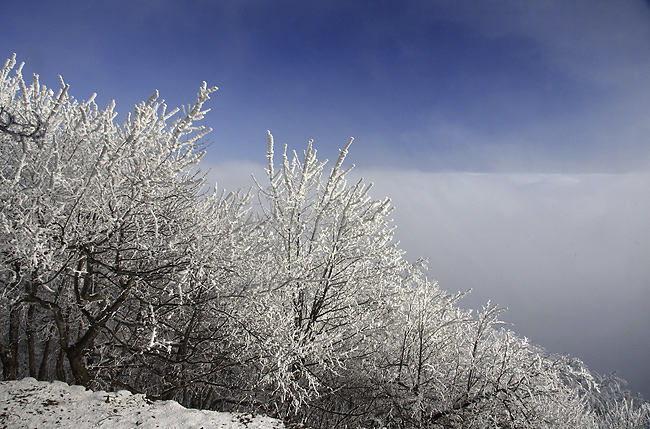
{"x": 443, "y": 367}
{"x": 329, "y": 269}
{"x": 439, "y": 366}
{"x": 104, "y": 228}
{"x": 185, "y": 337}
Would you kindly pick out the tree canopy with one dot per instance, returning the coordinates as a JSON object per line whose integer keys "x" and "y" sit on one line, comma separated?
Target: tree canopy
{"x": 120, "y": 269}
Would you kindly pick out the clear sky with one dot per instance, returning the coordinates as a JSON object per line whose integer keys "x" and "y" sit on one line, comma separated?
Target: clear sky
{"x": 513, "y": 136}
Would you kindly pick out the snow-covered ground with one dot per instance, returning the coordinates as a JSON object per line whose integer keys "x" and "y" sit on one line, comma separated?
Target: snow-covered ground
{"x": 29, "y": 403}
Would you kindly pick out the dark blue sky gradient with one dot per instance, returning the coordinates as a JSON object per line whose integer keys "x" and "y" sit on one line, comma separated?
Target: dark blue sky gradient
{"x": 390, "y": 73}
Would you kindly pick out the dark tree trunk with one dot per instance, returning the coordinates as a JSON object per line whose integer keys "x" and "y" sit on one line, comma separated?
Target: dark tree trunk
{"x": 75, "y": 353}
{"x": 31, "y": 341}
{"x": 60, "y": 373}
{"x": 78, "y": 367}
{"x": 9, "y": 353}
{"x": 44, "y": 369}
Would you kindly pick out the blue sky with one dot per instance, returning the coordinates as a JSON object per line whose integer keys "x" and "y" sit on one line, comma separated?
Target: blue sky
{"x": 456, "y": 85}
{"x": 513, "y": 136}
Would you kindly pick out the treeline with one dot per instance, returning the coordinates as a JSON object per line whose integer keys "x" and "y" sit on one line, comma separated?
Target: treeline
{"x": 119, "y": 271}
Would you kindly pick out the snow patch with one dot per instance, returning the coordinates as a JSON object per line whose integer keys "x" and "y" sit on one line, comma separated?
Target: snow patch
{"x": 29, "y": 403}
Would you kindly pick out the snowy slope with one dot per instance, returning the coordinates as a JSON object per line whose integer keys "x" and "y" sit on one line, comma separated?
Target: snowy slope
{"x": 37, "y": 404}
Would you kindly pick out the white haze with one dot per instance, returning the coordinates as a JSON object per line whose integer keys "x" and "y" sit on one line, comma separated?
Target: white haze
{"x": 567, "y": 254}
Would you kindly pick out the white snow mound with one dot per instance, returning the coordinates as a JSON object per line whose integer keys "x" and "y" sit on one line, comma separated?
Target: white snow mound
{"x": 32, "y": 404}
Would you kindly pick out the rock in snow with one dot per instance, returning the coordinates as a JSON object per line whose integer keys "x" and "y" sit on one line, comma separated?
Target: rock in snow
{"x": 32, "y": 404}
